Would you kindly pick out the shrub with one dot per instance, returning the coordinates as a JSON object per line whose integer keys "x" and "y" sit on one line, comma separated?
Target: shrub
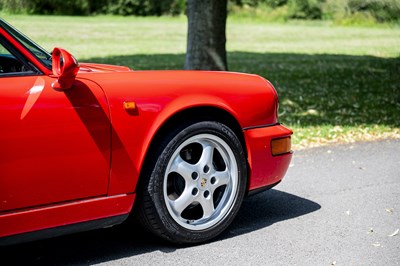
{"x": 381, "y": 10}
{"x": 305, "y": 9}
{"x": 147, "y": 7}
{"x": 342, "y": 11}
{"x": 14, "y": 6}
{"x": 362, "y": 11}
{"x": 54, "y": 7}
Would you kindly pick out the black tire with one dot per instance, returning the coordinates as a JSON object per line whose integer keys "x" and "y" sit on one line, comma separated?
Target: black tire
{"x": 195, "y": 185}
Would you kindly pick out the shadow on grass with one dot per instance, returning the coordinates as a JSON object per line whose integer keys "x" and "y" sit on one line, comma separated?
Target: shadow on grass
{"x": 314, "y": 90}
{"x": 119, "y": 242}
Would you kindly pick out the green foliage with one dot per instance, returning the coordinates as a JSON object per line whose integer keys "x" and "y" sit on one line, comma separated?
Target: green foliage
{"x": 90, "y": 7}
{"x": 14, "y": 6}
{"x": 54, "y": 7}
{"x": 297, "y": 9}
{"x": 60, "y": 7}
{"x": 381, "y": 10}
{"x": 147, "y": 7}
{"x": 341, "y": 11}
{"x": 256, "y": 3}
{"x": 305, "y": 9}
{"x": 365, "y": 12}
{"x": 362, "y": 11}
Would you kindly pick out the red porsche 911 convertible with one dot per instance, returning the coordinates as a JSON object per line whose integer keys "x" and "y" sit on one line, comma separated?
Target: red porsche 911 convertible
{"x": 84, "y": 146}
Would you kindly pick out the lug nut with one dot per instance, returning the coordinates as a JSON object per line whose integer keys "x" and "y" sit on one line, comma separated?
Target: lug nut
{"x": 206, "y": 169}
{"x": 195, "y": 175}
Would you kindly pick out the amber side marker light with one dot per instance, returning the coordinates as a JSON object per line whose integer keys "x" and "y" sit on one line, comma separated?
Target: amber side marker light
{"x": 131, "y": 108}
{"x": 281, "y": 146}
{"x": 130, "y": 105}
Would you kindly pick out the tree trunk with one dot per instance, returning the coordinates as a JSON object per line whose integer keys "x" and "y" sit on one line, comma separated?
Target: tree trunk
{"x": 206, "y": 35}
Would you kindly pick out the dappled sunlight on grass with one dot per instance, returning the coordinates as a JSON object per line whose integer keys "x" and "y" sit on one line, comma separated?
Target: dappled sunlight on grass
{"x": 314, "y": 136}
{"x": 330, "y": 89}
{"x": 331, "y": 98}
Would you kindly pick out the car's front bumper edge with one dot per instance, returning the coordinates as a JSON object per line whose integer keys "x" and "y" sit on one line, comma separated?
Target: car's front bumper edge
{"x": 266, "y": 167}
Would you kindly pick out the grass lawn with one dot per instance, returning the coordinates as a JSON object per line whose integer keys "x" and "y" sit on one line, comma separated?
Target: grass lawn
{"x": 336, "y": 84}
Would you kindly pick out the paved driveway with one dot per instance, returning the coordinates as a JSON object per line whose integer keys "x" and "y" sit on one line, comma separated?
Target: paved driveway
{"x": 337, "y": 206}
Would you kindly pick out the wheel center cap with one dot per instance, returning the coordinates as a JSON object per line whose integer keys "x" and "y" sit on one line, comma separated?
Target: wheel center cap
{"x": 203, "y": 182}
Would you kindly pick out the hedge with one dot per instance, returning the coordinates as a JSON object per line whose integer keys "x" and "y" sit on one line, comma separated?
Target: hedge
{"x": 377, "y": 10}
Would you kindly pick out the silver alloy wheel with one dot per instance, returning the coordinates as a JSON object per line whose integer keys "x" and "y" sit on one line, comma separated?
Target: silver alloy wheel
{"x": 201, "y": 182}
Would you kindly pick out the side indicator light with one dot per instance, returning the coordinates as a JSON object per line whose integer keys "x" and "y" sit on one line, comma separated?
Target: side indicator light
{"x": 130, "y": 105}
{"x": 281, "y": 146}
{"x": 131, "y": 108}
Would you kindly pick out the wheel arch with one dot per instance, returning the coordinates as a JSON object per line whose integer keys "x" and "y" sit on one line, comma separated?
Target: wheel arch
{"x": 181, "y": 118}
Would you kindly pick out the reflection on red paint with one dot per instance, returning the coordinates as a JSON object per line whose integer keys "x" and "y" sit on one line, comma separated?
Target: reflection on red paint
{"x": 33, "y": 95}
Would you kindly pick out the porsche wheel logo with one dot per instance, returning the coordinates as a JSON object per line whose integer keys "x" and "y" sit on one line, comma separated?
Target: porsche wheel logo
{"x": 203, "y": 182}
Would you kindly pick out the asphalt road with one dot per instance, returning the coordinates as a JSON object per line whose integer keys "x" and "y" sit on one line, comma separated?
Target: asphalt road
{"x": 337, "y": 206}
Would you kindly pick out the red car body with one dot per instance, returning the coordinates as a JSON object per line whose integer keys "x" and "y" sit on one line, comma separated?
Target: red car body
{"x": 74, "y": 156}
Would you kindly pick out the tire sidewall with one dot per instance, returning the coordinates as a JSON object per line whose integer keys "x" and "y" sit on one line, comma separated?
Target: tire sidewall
{"x": 174, "y": 231}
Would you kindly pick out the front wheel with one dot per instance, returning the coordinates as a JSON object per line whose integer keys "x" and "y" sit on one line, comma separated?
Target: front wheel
{"x": 196, "y": 184}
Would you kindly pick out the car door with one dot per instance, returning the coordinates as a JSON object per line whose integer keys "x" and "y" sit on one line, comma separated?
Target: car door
{"x": 54, "y": 145}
